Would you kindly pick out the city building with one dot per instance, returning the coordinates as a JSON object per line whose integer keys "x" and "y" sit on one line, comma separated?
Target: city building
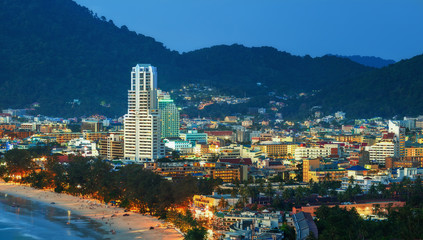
{"x": 277, "y": 149}
{"x": 92, "y": 125}
{"x": 111, "y": 147}
{"x": 169, "y": 116}
{"x": 64, "y": 137}
{"x": 318, "y": 171}
{"x": 349, "y": 138}
{"x": 413, "y": 152}
{"x": 230, "y": 152}
{"x": 386, "y": 147}
{"x": 365, "y": 182}
{"x": 315, "y": 152}
{"x": 405, "y": 162}
{"x": 411, "y": 173}
{"x": 178, "y": 145}
{"x": 94, "y": 136}
{"x": 230, "y": 174}
{"x": 222, "y": 135}
{"x": 142, "y": 132}
{"x": 83, "y": 147}
{"x": 212, "y": 201}
{"x": 194, "y": 137}
{"x": 359, "y": 158}
{"x": 304, "y": 226}
{"x": 399, "y": 133}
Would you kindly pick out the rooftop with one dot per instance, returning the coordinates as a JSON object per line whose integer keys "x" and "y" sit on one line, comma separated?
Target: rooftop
{"x": 357, "y": 168}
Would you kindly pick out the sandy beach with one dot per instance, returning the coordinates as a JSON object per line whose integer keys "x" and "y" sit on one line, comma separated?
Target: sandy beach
{"x": 134, "y": 226}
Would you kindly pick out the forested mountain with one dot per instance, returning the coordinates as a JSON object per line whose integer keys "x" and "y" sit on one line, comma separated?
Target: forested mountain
{"x": 389, "y": 91}
{"x": 370, "y": 61}
{"x": 54, "y": 51}
{"x": 238, "y": 69}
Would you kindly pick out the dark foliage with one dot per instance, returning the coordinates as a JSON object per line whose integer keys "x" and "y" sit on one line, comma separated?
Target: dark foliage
{"x": 339, "y": 223}
{"x": 375, "y": 62}
{"x": 132, "y": 185}
{"x": 54, "y": 51}
{"x": 390, "y": 91}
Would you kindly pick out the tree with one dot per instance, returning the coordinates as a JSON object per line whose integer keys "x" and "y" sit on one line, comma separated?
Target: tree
{"x": 78, "y": 172}
{"x": 261, "y": 187}
{"x": 100, "y": 178}
{"x": 351, "y": 180}
{"x": 40, "y": 180}
{"x": 372, "y": 191}
{"x": 245, "y": 193}
{"x": 327, "y": 177}
{"x": 3, "y": 171}
{"x": 339, "y": 223}
{"x": 288, "y": 232}
{"x": 18, "y": 162}
{"x": 299, "y": 172}
{"x": 197, "y": 233}
{"x": 381, "y": 189}
{"x": 407, "y": 222}
{"x": 60, "y": 176}
{"x": 223, "y": 204}
{"x": 176, "y": 155}
{"x": 269, "y": 190}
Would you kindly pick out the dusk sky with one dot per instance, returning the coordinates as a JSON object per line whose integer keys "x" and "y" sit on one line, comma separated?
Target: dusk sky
{"x": 383, "y": 28}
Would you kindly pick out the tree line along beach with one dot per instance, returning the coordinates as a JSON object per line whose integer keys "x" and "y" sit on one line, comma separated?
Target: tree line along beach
{"x": 116, "y": 223}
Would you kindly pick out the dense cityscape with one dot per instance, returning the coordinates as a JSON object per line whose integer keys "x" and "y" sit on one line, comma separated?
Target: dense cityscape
{"x": 256, "y": 176}
{"x": 211, "y": 120}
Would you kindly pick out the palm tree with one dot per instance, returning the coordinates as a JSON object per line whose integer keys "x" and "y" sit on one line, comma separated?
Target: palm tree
{"x": 245, "y": 193}
{"x": 372, "y": 191}
{"x": 269, "y": 190}
{"x": 351, "y": 180}
{"x": 223, "y": 204}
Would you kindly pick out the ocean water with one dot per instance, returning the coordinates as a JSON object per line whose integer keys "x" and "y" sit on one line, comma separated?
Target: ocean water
{"x": 28, "y": 220}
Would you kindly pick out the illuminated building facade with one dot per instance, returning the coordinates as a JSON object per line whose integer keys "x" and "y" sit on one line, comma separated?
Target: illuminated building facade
{"x": 142, "y": 133}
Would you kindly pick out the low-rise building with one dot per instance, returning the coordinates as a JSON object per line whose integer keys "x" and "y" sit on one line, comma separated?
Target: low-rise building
{"x": 317, "y": 170}
{"x": 277, "y": 149}
{"x": 212, "y": 201}
{"x": 111, "y": 147}
{"x": 326, "y": 150}
{"x": 178, "y": 145}
{"x": 194, "y": 137}
{"x": 403, "y": 162}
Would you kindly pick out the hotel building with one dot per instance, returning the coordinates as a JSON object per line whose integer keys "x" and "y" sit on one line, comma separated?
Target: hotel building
{"x": 142, "y": 134}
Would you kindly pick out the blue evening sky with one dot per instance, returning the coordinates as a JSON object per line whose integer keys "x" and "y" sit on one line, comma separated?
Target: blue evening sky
{"x": 391, "y": 29}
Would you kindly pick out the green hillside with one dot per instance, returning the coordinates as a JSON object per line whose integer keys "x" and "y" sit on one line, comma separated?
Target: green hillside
{"x": 54, "y": 51}
{"x": 393, "y": 90}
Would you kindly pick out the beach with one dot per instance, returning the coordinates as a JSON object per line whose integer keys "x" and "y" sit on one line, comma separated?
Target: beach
{"x": 112, "y": 219}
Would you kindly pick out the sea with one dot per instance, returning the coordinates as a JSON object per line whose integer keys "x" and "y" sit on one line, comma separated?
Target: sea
{"x": 23, "y": 219}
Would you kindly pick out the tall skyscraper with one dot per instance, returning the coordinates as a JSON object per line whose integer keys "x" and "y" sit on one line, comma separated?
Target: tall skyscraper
{"x": 169, "y": 116}
{"x": 142, "y": 138}
{"x": 399, "y": 131}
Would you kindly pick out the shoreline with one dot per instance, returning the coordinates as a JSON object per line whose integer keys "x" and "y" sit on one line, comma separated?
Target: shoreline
{"x": 134, "y": 226}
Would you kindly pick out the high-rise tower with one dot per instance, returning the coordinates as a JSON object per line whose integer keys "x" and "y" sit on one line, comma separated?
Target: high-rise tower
{"x": 142, "y": 140}
{"x": 169, "y": 116}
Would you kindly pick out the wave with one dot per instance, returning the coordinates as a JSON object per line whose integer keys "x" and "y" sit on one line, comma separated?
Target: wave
{"x": 10, "y": 228}
{"x": 30, "y": 236}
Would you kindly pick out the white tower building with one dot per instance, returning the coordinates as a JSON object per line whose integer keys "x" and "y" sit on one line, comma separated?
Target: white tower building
{"x": 399, "y": 131}
{"x": 142, "y": 141}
